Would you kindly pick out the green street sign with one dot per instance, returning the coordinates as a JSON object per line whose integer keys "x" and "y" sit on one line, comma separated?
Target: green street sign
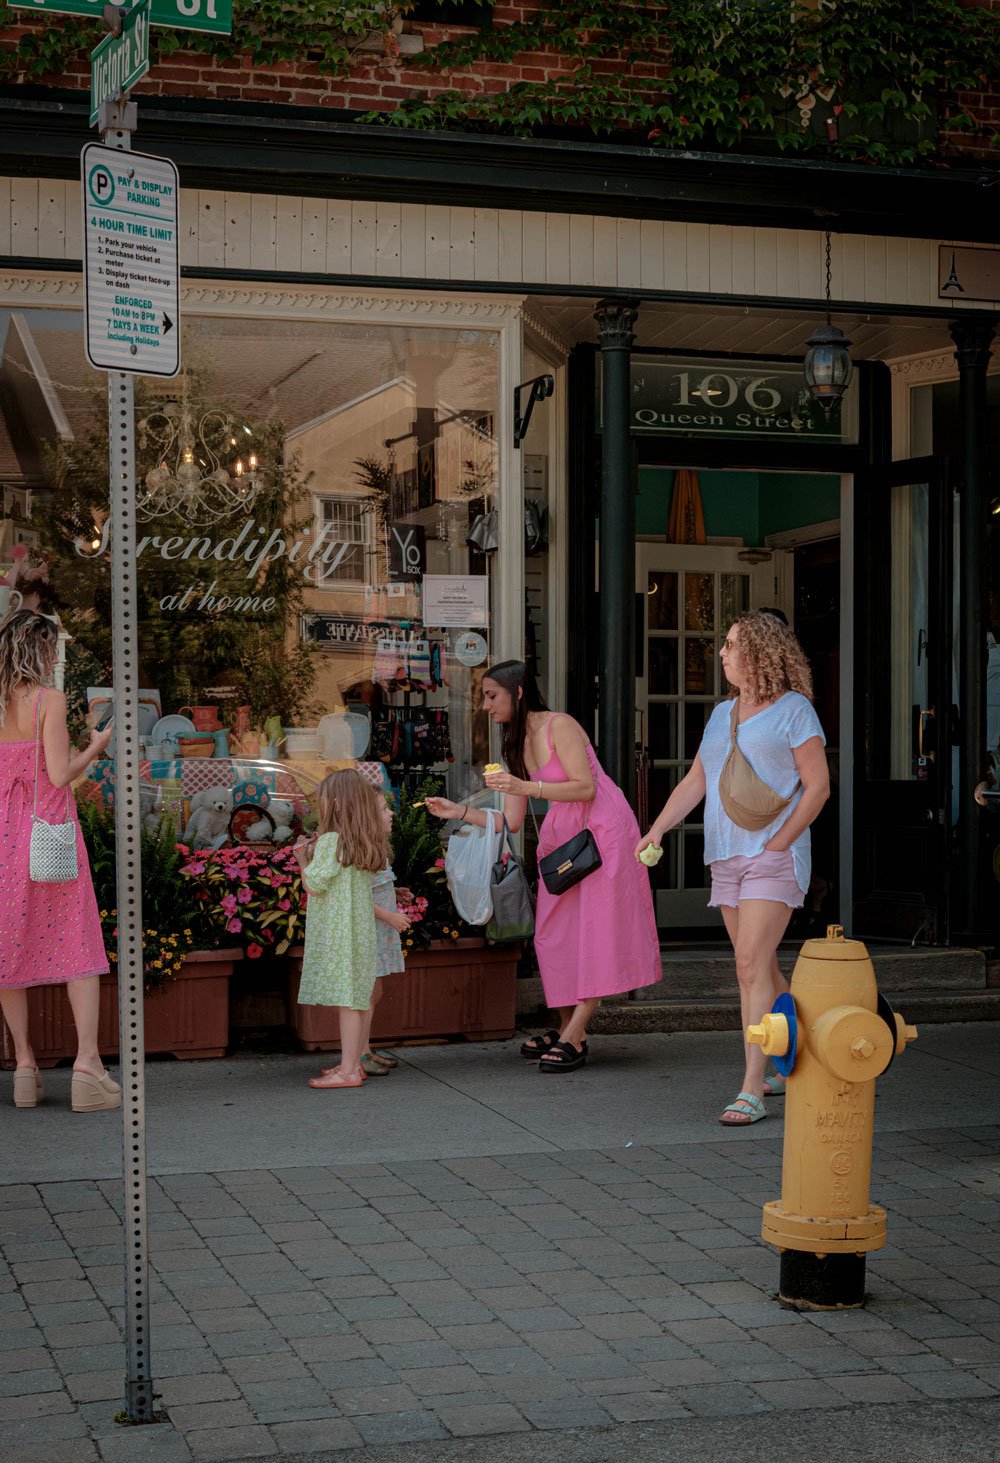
{"x": 119, "y": 61}
{"x": 215, "y": 16}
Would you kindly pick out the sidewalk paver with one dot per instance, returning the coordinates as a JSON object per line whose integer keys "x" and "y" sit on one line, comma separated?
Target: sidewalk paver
{"x": 303, "y": 1309}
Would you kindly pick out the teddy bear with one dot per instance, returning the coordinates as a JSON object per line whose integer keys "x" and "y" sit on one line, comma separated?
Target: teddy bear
{"x": 282, "y": 811}
{"x": 208, "y": 825}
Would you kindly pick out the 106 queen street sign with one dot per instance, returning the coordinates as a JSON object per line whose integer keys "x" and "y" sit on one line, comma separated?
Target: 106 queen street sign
{"x": 215, "y": 16}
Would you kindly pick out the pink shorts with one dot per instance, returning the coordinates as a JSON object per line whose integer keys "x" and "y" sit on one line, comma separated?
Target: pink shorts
{"x": 765, "y": 876}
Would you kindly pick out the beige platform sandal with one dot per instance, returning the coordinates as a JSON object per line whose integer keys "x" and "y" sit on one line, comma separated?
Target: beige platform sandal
{"x": 94, "y": 1094}
{"x": 27, "y": 1087}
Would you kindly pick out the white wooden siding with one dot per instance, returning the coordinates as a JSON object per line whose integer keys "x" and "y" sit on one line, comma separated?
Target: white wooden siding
{"x": 40, "y": 219}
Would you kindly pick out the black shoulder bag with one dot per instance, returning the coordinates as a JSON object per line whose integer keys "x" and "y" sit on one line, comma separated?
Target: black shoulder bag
{"x": 572, "y": 861}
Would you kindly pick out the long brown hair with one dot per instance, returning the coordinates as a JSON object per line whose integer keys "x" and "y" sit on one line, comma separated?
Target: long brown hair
{"x": 514, "y": 676}
{"x": 350, "y": 807}
{"x": 29, "y": 647}
{"x": 771, "y": 658}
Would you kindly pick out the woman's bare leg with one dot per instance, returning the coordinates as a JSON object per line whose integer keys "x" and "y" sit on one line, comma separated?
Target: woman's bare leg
{"x": 756, "y": 930}
{"x": 575, "y": 1029}
{"x": 85, "y": 1002}
{"x": 14, "y": 1004}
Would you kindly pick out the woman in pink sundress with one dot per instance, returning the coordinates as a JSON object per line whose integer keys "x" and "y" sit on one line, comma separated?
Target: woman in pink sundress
{"x": 50, "y": 934}
{"x": 599, "y": 938}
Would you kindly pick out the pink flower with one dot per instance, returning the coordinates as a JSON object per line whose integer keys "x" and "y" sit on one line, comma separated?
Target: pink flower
{"x": 195, "y": 868}
{"x": 439, "y": 863}
{"x": 284, "y": 904}
{"x": 234, "y": 926}
{"x": 244, "y": 895}
{"x": 228, "y": 903}
{"x": 254, "y": 952}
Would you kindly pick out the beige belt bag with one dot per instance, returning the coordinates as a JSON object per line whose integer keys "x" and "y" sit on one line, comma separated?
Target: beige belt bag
{"x": 745, "y": 797}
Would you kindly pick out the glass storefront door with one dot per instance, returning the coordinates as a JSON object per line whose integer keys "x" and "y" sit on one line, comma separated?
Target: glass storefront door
{"x": 904, "y": 695}
{"x": 692, "y": 595}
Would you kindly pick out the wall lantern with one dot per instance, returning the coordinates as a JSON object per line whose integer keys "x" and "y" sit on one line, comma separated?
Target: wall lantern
{"x": 827, "y": 365}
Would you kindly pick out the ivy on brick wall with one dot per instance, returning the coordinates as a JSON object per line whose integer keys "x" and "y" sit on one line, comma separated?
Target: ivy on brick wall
{"x": 326, "y": 33}
{"x": 859, "y": 80}
{"x": 870, "y": 81}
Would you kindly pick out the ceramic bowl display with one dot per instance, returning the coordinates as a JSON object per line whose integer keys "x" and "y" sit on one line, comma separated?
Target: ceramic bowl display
{"x": 169, "y": 730}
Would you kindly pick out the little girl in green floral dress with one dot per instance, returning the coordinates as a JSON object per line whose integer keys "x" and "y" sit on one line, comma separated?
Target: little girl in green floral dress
{"x": 340, "y": 960}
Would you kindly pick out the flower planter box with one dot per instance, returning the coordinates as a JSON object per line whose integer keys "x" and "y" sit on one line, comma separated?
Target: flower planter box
{"x": 456, "y": 988}
{"x": 188, "y": 1019}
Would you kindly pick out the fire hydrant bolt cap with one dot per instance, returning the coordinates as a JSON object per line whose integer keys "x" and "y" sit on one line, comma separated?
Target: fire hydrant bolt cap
{"x": 834, "y": 947}
{"x": 771, "y": 1033}
{"x": 853, "y": 1044}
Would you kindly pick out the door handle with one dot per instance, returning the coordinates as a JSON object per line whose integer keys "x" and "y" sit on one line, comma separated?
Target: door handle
{"x": 925, "y": 717}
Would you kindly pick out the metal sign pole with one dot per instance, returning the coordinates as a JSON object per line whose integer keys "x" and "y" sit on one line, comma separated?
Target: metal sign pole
{"x": 117, "y": 121}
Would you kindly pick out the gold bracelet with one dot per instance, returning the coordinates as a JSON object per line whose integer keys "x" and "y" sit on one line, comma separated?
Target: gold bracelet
{"x": 539, "y": 788}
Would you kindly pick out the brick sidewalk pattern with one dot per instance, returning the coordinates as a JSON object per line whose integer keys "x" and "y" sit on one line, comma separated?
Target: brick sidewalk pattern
{"x": 333, "y": 1307}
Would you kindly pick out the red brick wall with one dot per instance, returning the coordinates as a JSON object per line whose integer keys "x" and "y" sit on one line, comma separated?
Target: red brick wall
{"x": 376, "y": 82}
{"x": 983, "y": 106}
{"x": 381, "y": 81}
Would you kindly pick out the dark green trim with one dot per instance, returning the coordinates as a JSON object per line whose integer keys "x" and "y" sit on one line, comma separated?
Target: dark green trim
{"x": 315, "y": 153}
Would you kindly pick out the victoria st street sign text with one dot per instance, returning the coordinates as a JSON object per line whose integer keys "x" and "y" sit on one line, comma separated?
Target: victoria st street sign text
{"x": 206, "y": 15}
{"x": 119, "y": 61}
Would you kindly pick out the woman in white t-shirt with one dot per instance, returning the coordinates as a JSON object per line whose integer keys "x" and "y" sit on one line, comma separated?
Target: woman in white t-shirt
{"x": 758, "y": 878}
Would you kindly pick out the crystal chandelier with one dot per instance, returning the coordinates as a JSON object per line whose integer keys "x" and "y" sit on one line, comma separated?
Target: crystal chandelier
{"x": 206, "y": 469}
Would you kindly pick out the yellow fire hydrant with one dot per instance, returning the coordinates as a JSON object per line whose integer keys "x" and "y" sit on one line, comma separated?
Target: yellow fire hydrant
{"x": 832, "y": 1037}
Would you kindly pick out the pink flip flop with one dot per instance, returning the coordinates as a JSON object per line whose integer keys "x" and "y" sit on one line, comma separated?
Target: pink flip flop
{"x": 335, "y": 1079}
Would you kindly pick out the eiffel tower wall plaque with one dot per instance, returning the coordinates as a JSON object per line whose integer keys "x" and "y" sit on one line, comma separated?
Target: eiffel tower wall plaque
{"x": 968, "y": 274}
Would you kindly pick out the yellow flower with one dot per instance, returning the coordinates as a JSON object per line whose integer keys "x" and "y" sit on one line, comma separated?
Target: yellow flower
{"x": 454, "y": 934}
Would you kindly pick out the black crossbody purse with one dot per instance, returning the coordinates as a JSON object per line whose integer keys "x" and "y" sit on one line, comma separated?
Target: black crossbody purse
{"x": 572, "y": 861}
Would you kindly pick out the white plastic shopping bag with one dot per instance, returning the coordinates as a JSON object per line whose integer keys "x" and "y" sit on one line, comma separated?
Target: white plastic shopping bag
{"x": 468, "y": 867}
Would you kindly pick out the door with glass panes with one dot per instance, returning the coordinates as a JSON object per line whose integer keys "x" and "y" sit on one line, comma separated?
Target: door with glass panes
{"x": 692, "y": 595}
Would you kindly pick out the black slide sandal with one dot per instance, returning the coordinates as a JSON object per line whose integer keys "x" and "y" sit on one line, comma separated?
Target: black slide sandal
{"x": 538, "y": 1045}
{"x": 574, "y": 1057}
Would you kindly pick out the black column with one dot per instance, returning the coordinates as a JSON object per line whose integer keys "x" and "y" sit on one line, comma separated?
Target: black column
{"x": 972, "y": 339}
{"x": 581, "y": 535}
{"x": 616, "y": 715}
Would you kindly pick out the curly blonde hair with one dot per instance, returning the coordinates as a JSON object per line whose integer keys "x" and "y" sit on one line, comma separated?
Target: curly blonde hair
{"x": 351, "y": 807}
{"x": 771, "y": 658}
{"x": 29, "y": 648}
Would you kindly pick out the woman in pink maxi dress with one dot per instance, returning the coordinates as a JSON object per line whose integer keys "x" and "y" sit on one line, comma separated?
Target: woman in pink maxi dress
{"x": 50, "y": 934}
{"x": 599, "y": 938}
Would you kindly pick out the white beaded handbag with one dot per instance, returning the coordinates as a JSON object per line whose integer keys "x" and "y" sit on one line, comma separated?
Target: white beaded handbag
{"x": 52, "y": 857}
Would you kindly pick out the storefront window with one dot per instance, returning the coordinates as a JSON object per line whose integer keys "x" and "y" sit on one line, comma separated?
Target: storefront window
{"x": 316, "y": 539}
